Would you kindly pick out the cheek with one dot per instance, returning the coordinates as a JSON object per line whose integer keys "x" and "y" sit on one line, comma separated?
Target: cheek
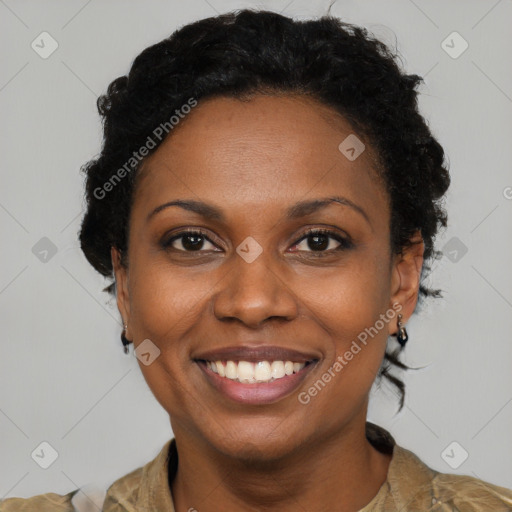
{"x": 349, "y": 298}
{"x": 166, "y": 304}
{"x": 348, "y": 304}
{"x": 165, "y": 300}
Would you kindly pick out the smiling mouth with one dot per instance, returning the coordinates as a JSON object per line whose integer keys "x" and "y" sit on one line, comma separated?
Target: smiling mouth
{"x": 246, "y": 372}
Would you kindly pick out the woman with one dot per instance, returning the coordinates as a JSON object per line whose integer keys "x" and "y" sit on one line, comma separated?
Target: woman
{"x": 266, "y": 201}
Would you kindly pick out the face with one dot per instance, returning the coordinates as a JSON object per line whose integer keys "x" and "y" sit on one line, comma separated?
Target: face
{"x": 249, "y": 268}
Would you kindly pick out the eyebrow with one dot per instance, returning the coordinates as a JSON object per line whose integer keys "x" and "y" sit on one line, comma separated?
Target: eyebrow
{"x": 300, "y": 209}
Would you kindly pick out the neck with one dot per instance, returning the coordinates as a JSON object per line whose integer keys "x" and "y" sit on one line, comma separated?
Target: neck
{"x": 342, "y": 473}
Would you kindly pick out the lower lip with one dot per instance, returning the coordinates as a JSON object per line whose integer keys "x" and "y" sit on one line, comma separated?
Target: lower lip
{"x": 257, "y": 393}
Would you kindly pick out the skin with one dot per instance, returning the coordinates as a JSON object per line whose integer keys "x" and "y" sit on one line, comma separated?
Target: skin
{"x": 253, "y": 160}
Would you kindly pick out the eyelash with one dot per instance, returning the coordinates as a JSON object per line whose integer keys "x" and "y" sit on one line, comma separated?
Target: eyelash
{"x": 345, "y": 243}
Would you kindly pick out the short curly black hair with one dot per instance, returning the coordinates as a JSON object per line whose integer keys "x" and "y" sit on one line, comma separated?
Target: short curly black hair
{"x": 249, "y": 52}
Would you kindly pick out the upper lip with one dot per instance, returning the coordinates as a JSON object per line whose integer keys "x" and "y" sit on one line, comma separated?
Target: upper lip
{"x": 256, "y": 353}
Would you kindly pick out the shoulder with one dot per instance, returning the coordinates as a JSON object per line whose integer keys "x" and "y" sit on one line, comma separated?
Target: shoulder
{"x": 467, "y": 493}
{"x": 427, "y": 487}
{"x": 49, "y": 502}
{"x": 141, "y": 489}
{"x": 145, "y": 488}
{"x": 124, "y": 492}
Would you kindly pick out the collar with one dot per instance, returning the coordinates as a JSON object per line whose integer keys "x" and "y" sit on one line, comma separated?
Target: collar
{"x": 409, "y": 480}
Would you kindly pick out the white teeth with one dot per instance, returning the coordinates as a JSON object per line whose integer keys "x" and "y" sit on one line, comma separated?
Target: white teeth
{"x": 220, "y": 368}
{"x": 277, "y": 369}
{"x": 245, "y": 371}
{"x": 231, "y": 370}
{"x": 262, "y": 371}
{"x": 250, "y": 373}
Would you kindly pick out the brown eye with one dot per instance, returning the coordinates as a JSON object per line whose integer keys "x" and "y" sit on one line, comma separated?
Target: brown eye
{"x": 188, "y": 241}
{"x": 320, "y": 241}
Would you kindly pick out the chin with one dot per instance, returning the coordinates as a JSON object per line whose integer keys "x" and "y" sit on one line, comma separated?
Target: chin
{"x": 256, "y": 445}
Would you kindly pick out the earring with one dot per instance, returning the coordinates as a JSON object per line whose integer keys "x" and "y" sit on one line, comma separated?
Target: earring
{"x": 125, "y": 341}
{"x": 401, "y": 335}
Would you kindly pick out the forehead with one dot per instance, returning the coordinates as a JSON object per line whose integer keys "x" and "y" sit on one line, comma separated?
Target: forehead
{"x": 260, "y": 151}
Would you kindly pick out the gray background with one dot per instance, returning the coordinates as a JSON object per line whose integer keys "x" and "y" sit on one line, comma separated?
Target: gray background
{"x": 64, "y": 377}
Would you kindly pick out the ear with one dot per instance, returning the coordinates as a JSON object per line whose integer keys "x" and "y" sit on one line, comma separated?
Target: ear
{"x": 122, "y": 291}
{"x": 405, "y": 277}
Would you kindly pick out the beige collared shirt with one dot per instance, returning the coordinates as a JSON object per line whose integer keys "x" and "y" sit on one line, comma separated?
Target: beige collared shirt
{"x": 411, "y": 486}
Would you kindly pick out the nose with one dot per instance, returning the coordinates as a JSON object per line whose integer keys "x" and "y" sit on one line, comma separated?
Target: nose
{"x": 255, "y": 292}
